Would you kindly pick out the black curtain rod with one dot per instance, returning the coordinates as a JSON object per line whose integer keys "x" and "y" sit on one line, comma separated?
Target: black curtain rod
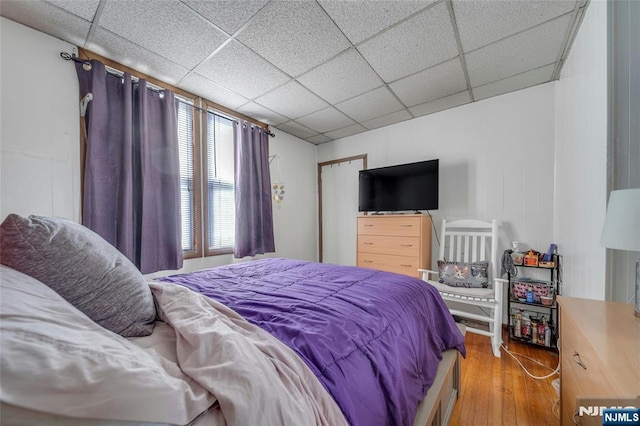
{"x": 87, "y": 66}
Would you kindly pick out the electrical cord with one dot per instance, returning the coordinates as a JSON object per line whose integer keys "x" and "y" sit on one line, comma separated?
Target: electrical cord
{"x": 513, "y": 355}
{"x": 434, "y": 228}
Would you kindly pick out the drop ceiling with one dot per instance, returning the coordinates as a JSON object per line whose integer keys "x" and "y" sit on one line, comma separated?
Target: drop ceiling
{"x": 327, "y": 69}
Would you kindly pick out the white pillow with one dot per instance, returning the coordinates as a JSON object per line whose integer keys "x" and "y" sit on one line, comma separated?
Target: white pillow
{"x": 53, "y": 358}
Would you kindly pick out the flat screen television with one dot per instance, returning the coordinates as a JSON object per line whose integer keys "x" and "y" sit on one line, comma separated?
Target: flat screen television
{"x": 412, "y": 186}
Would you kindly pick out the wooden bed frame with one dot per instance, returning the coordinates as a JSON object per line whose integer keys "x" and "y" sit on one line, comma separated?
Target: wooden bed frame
{"x": 437, "y": 406}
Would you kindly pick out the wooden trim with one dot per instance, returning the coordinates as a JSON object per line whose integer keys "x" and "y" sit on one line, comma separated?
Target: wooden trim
{"x": 87, "y": 54}
{"x": 197, "y": 188}
{"x": 362, "y": 157}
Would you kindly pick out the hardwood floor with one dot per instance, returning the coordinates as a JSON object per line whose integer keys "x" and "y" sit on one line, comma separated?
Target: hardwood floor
{"x": 496, "y": 391}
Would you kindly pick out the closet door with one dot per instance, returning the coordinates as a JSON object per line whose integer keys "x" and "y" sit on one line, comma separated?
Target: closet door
{"x": 338, "y": 182}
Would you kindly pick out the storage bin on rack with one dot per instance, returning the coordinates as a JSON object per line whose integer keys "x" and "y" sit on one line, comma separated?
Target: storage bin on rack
{"x": 540, "y": 288}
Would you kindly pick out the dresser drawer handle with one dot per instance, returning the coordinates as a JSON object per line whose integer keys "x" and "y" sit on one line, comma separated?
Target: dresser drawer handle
{"x": 368, "y": 243}
{"x": 368, "y": 224}
{"x": 577, "y": 360}
{"x": 406, "y": 226}
{"x": 406, "y": 245}
{"x": 406, "y": 266}
{"x": 368, "y": 261}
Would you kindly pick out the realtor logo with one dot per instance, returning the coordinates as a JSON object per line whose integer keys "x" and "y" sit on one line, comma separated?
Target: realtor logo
{"x": 608, "y": 411}
{"x": 621, "y": 416}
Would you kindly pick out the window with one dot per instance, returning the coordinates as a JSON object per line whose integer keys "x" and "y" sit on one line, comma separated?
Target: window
{"x": 218, "y": 200}
{"x": 220, "y": 183}
{"x": 187, "y": 176}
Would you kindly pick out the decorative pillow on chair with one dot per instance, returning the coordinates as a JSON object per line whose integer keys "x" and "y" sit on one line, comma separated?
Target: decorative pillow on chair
{"x": 81, "y": 267}
{"x": 461, "y": 274}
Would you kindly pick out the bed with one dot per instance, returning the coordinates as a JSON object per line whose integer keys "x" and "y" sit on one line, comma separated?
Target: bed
{"x": 270, "y": 341}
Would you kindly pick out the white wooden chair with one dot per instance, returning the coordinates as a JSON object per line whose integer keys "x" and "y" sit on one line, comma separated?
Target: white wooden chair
{"x": 473, "y": 241}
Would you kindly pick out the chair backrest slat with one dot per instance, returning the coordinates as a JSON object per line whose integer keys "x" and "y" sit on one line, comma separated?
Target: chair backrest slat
{"x": 470, "y": 241}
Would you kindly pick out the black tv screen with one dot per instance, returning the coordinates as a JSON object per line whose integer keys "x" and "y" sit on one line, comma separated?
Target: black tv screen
{"x": 412, "y": 186}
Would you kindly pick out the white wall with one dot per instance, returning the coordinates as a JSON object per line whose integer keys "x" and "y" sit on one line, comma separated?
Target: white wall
{"x": 581, "y": 156}
{"x": 40, "y": 154}
{"x": 496, "y": 161}
{"x": 40, "y": 126}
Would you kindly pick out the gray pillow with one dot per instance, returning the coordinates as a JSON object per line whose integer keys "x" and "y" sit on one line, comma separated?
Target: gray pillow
{"x": 83, "y": 268}
{"x": 461, "y": 274}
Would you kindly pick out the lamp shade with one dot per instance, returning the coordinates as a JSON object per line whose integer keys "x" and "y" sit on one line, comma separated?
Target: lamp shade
{"x": 622, "y": 223}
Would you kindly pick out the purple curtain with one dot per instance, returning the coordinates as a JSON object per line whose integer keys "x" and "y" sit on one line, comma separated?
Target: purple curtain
{"x": 254, "y": 217}
{"x": 132, "y": 175}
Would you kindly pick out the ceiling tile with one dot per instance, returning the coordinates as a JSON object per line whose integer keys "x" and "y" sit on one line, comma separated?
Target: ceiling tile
{"x": 228, "y": 15}
{"x": 360, "y": 19}
{"x": 318, "y": 139}
{"x": 325, "y": 120}
{"x": 343, "y": 77}
{"x": 372, "y": 104}
{"x": 524, "y": 51}
{"x": 207, "y": 89}
{"x": 86, "y": 9}
{"x": 387, "y": 120}
{"x": 261, "y": 113}
{"x": 520, "y": 81}
{"x": 418, "y": 43}
{"x": 441, "y": 104}
{"x": 168, "y": 28}
{"x": 347, "y": 131}
{"x": 47, "y": 18}
{"x": 482, "y": 23}
{"x": 296, "y": 129}
{"x": 239, "y": 69}
{"x": 294, "y": 35}
{"x": 437, "y": 82}
{"x": 292, "y": 100}
{"x": 133, "y": 56}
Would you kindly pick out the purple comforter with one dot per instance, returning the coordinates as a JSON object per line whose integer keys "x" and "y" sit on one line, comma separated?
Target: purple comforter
{"x": 374, "y": 339}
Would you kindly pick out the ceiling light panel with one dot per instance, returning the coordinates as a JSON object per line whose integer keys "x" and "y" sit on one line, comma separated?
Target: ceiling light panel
{"x": 294, "y": 35}
{"x": 318, "y": 139}
{"x": 360, "y": 19}
{"x": 227, "y": 15}
{"x": 292, "y": 100}
{"x": 168, "y": 28}
{"x": 239, "y": 69}
{"x": 524, "y": 51}
{"x": 421, "y": 42}
{"x": 341, "y": 78}
{"x": 484, "y": 22}
{"x": 373, "y": 104}
{"x": 434, "y": 83}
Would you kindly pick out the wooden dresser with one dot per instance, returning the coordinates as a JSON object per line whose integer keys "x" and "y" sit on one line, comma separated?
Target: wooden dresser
{"x": 599, "y": 353}
{"x": 395, "y": 243}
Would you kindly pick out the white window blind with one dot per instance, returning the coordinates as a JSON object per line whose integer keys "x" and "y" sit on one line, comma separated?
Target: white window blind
{"x": 187, "y": 195}
{"x": 220, "y": 182}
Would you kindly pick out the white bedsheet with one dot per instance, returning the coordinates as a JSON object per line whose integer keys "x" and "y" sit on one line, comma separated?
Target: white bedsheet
{"x": 255, "y": 377}
{"x": 60, "y": 368}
